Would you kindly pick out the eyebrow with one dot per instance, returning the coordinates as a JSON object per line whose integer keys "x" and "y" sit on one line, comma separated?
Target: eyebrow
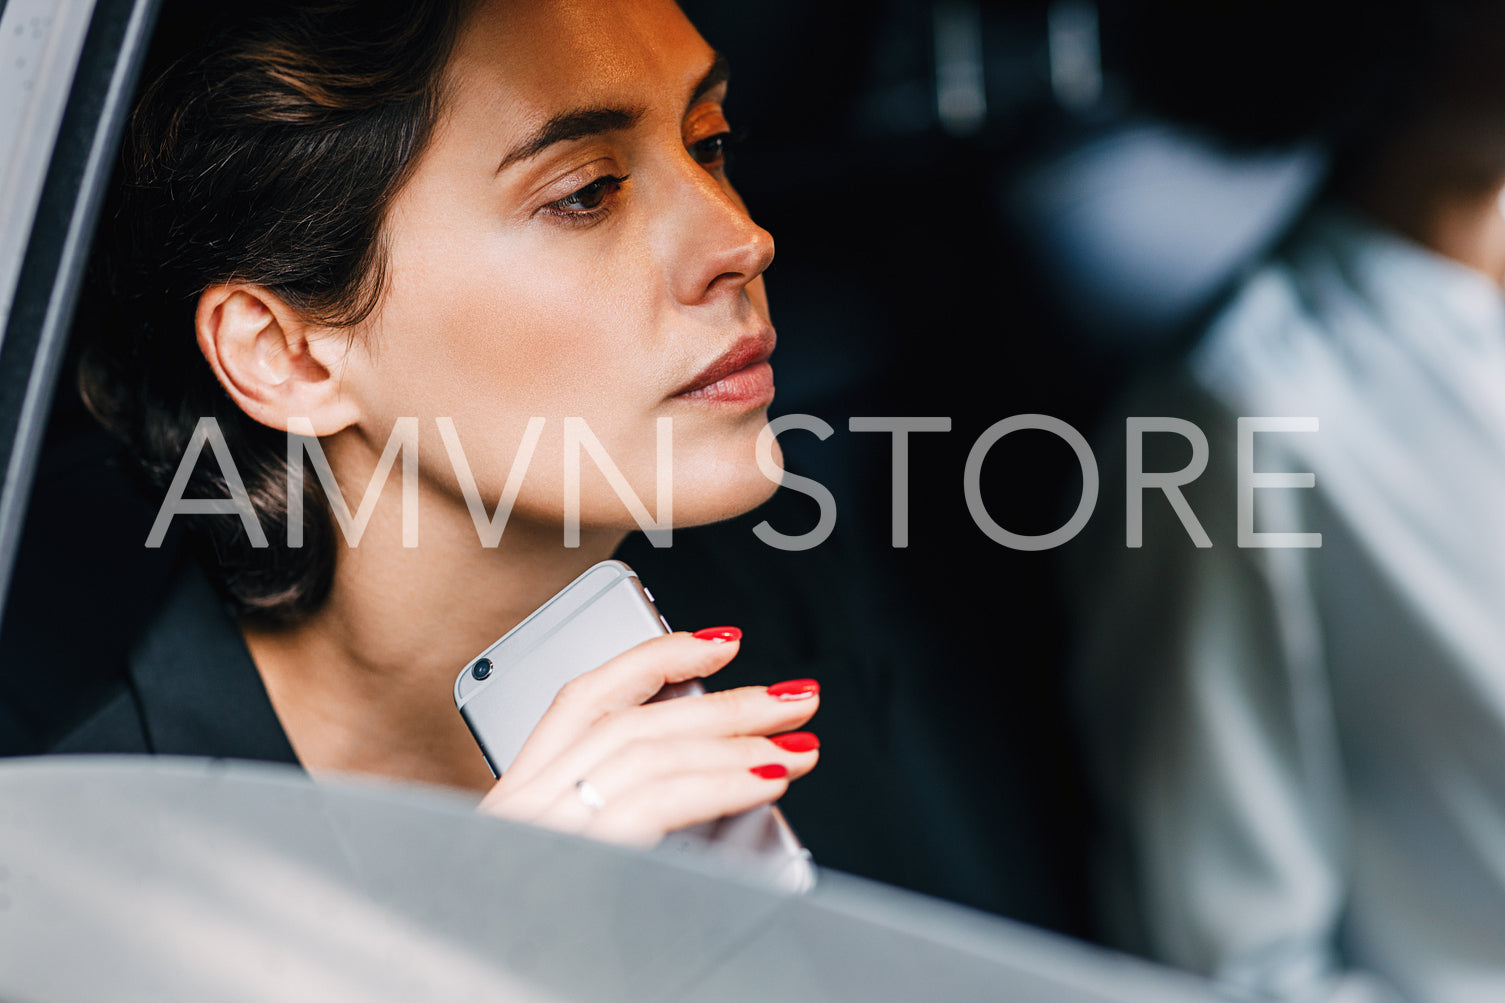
{"x": 582, "y": 123}
{"x": 579, "y": 123}
{"x": 717, "y": 75}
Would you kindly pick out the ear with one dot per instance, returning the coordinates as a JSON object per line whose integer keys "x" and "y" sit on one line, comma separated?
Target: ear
{"x": 273, "y": 364}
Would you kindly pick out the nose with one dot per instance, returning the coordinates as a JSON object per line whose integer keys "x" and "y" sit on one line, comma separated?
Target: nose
{"x": 719, "y": 249}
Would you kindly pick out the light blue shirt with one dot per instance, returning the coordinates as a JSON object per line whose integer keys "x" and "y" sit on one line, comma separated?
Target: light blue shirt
{"x": 1301, "y": 752}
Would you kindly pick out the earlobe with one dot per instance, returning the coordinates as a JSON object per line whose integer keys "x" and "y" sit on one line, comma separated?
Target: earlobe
{"x": 262, "y": 352}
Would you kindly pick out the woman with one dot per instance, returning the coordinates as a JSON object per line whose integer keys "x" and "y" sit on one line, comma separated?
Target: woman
{"x": 477, "y": 214}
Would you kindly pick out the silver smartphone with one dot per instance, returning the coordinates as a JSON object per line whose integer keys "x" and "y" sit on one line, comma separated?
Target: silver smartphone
{"x": 505, "y": 690}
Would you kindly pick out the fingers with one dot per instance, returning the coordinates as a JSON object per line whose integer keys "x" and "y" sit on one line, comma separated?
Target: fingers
{"x": 649, "y": 760}
{"x": 644, "y": 815}
{"x": 626, "y": 681}
{"x": 648, "y": 763}
{"x": 656, "y": 794}
{"x": 659, "y": 766}
{"x": 785, "y": 757}
{"x": 723, "y": 716}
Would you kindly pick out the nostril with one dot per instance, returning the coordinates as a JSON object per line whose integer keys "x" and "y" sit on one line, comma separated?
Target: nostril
{"x": 734, "y": 279}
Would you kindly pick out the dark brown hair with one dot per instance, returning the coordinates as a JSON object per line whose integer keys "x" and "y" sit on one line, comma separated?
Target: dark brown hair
{"x": 268, "y": 154}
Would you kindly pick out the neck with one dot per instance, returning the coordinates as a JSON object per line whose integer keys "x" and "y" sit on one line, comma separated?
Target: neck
{"x": 1439, "y": 201}
{"x": 366, "y": 684}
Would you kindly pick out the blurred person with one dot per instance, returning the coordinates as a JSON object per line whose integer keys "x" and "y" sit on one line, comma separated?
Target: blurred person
{"x": 1300, "y": 749}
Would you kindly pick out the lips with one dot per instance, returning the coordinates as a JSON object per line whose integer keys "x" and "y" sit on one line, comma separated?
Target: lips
{"x": 740, "y": 374}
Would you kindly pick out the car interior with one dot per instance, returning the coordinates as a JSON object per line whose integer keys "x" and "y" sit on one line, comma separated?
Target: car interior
{"x": 999, "y": 209}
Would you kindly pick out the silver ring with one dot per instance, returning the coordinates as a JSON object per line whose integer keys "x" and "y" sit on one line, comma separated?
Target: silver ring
{"x": 589, "y": 796}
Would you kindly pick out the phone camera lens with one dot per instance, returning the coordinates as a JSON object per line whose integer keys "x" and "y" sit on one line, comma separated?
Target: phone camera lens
{"x": 481, "y": 669}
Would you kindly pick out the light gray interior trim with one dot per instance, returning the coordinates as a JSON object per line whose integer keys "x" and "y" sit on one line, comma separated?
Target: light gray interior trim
{"x": 40, "y": 42}
{"x": 169, "y": 879}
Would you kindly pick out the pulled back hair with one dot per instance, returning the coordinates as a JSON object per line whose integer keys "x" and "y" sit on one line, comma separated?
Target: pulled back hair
{"x": 268, "y": 154}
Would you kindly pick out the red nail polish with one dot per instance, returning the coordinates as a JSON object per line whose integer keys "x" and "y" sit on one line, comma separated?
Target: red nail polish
{"x": 773, "y": 771}
{"x": 796, "y": 741}
{"x": 720, "y": 635}
{"x": 794, "y": 689}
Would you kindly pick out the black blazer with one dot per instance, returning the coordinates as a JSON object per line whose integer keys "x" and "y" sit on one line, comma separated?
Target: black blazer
{"x": 922, "y": 783}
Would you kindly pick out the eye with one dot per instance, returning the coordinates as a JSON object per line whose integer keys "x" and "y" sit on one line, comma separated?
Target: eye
{"x": 711, "y": 151}
{"x": 587, "y": 205}
{"x": 588, "y": 201}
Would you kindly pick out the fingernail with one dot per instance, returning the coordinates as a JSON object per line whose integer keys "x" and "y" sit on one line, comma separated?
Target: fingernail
{"x": 796, "y": 741}
{"x": 720, "y": 635}
{"x": 794, "y": 689}
{"x": 773, "y": 771}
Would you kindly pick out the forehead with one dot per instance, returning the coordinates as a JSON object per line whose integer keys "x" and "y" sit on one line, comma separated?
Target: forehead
{"x": 534, "y": 57}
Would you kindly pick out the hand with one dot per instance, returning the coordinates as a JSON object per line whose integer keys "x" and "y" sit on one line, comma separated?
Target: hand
{"x": 661, "y": 766}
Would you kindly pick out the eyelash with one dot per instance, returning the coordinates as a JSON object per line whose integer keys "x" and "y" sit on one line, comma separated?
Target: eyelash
{"x": 593, "y": 214}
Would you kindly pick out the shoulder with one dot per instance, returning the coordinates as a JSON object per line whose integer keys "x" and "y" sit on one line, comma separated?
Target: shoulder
{"x": 114, "y": 726}
{"x": 189, "y": 688}
{"x": 1335, "y": 308}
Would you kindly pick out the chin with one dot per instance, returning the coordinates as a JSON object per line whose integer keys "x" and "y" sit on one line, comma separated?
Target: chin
{"x": 725, "y": 500}
{"x": 728, "y": 488}
{"x": 710, "y": 485}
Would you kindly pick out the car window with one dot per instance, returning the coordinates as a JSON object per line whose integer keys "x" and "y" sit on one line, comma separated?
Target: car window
{"x": 67, "y": 69}
{"x": 40, "y": 42}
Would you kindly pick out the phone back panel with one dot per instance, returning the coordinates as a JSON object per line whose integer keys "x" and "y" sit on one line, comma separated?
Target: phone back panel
{"x": 592, "y": 620}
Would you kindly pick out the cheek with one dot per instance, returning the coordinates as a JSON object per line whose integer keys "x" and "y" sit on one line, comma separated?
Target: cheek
{"x": 476, "y": 331}
{"x": 466, "y": 335}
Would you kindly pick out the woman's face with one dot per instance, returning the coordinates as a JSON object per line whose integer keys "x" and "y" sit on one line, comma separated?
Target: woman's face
{"x": 569, "y": 246}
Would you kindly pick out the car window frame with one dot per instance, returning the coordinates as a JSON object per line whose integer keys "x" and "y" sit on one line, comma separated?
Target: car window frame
{"x": 88, "y": 131}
